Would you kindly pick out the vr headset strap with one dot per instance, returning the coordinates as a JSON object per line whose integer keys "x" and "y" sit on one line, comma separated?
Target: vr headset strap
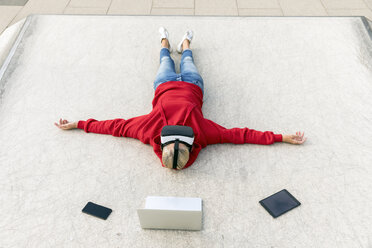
{"x": 175, "y": 154}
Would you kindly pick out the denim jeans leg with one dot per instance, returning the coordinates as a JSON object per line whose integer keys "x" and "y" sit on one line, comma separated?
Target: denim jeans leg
{"x": 166, "y": 71}
{"x": 189, "y": 72}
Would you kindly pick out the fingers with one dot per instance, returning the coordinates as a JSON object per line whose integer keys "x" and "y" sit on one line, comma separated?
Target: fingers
{"x": 302, "y": 141}
{"x": 62, "y": 121}
{"x": 59, "y": 125}
{"x": 298, "y": 138}
{"x": 300, "y": 134}
{"x": 62, "y": 124}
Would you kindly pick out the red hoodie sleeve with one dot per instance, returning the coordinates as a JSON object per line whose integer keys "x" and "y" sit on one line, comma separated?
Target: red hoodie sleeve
{"x": 241, "y": 135}
{"x": 114, "y": 127}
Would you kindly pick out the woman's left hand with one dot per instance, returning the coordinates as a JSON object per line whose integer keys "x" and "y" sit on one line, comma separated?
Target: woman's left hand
{"x": 65, "y": 124}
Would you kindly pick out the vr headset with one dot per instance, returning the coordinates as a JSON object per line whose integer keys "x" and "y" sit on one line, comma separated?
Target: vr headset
{"x": 177, "y": 134}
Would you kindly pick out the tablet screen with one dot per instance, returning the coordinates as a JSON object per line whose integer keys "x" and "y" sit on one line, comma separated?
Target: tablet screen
{"x": 279, "y": 203}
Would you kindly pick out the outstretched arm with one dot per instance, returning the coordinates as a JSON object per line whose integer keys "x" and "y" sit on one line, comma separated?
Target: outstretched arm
{"x": 114, "y": 127}
{"x": 218, "y": 134}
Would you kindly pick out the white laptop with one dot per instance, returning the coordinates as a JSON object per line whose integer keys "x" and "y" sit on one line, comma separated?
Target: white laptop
{"x": 182, "y": 213}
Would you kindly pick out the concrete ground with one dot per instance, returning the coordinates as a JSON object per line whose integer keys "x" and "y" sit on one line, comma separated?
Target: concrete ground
{"x": 269, "y": 73}
{"x": 9, "y": 14}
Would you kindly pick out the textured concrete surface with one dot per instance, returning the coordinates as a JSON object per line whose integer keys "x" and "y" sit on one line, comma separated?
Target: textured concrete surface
{"x": 7, "y": 39}
{"x": 7, "y": 13}
{"x": 13, "y": 2}
{"x": 278, "y": 74}
{"x": 11, "y": 14}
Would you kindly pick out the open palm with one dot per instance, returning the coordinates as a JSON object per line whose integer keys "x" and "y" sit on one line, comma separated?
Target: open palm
{"x": 296, "y": 139}
{"x": 65, "y": 124}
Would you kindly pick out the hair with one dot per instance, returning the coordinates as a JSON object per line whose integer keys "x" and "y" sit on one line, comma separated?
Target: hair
{"x": 168, "y": 155}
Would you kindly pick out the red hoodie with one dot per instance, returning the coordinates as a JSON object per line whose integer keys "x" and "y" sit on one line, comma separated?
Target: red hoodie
{"x": 178, "y": 103}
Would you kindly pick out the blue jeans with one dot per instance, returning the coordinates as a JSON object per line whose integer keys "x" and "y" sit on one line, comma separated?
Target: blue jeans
{"x": 167, "y": 71}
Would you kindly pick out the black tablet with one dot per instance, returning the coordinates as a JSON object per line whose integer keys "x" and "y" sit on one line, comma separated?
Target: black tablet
{"x": 97, "y": 210}
{"x": 279, "y": 203}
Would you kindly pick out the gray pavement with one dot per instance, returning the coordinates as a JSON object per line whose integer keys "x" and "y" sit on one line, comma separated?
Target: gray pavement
{"x": 11, "y": 14}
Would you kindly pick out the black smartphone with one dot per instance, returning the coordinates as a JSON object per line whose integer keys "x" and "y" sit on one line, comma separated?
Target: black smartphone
{"x": 279, "y": 203}
{"x": 97, "y": 210}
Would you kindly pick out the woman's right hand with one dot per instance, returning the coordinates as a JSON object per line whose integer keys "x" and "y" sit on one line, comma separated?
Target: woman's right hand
{"x": 297, "y": 139}
{"x": 66, "y": 125}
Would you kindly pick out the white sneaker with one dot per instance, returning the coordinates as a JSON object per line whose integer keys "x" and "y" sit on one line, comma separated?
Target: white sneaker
{"x": 188, "y": 36}
{"x": 165, "y": 35}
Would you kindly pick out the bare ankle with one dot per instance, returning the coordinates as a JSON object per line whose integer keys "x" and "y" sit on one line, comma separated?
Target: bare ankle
{"x": 186, "y": 44}
{"x": 164, "y": 43}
